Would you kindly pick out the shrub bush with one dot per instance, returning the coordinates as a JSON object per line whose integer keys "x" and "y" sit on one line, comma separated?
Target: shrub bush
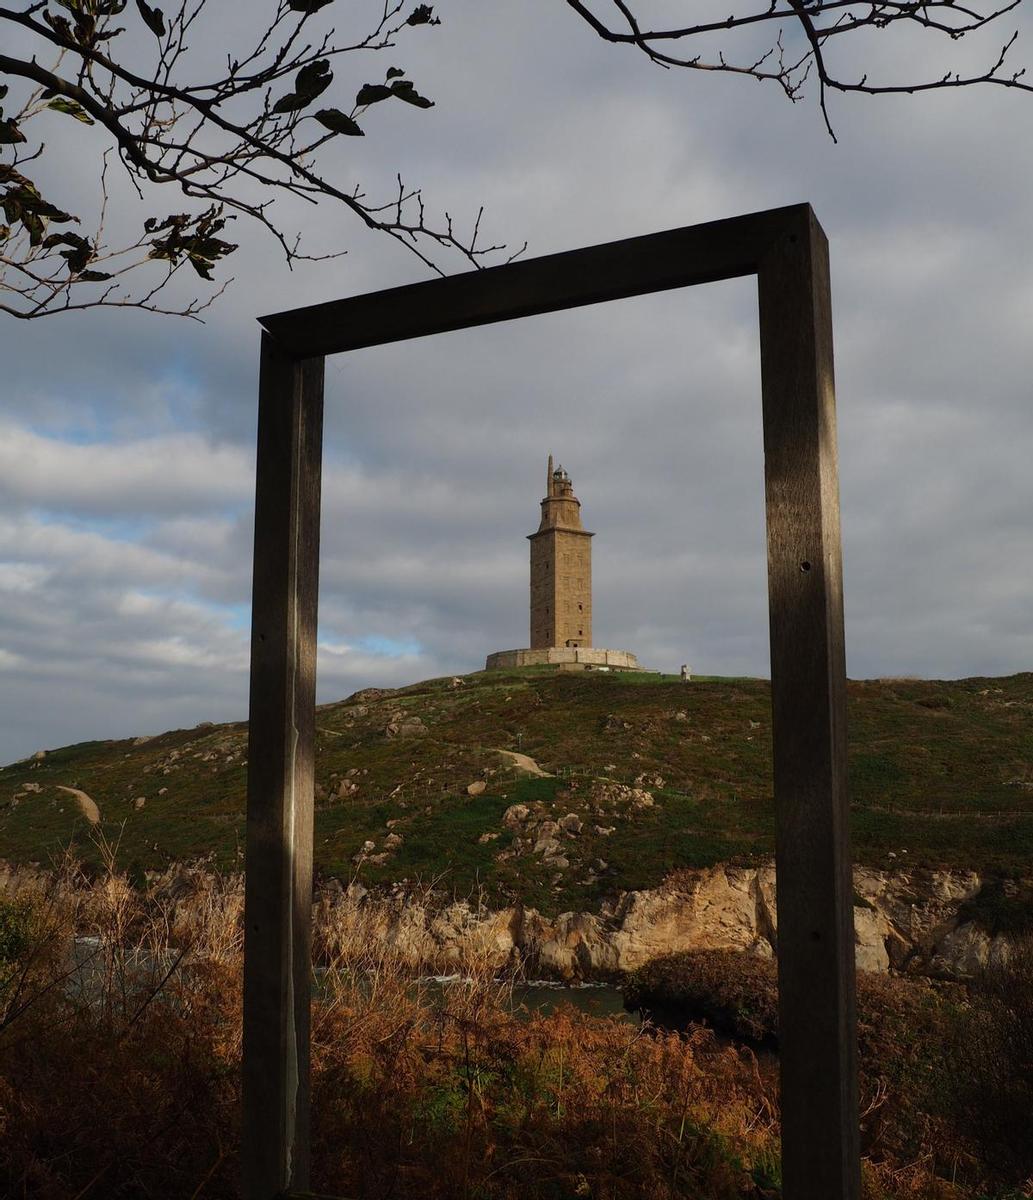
{"x": 945, "y": 1071}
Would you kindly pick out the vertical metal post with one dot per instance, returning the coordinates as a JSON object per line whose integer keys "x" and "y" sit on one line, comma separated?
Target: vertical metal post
{"x": 817, "y": 1022}
{"x": 281, "y": 742}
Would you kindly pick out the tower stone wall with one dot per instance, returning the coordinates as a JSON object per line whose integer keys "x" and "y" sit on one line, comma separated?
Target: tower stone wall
{"x": 561, "y": 592}
{"x": 561, "y": 569}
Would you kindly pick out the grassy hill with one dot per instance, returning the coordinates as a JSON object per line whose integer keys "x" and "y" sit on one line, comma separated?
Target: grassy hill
{"x": 651, "y": 774}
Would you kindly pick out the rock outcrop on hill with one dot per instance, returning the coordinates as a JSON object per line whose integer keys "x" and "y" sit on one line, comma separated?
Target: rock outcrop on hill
{"x": 904, "y": 921}
{"x": 912, "y": 922}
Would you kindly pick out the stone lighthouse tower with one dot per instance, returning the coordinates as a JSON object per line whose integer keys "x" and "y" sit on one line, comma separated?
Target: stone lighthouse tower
{"x": 561, "y": 591}
{"x": 561, "y": 569}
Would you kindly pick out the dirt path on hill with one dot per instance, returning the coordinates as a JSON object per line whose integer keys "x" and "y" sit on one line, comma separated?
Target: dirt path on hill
{"x": 87, "y": 805}
{"x": 524, "y": 763}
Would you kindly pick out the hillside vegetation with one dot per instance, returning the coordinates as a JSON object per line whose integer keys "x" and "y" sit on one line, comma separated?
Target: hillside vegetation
{"x": 643, "y": 775}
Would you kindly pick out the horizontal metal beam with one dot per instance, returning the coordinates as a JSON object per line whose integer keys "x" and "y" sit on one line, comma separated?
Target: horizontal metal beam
{"x": 636, "y": 266}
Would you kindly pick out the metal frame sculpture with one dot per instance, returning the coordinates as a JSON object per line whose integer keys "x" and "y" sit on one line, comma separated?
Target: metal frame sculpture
{"x": 787, "y": 250}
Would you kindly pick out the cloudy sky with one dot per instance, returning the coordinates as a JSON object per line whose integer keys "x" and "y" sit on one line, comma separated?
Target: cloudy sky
{"x": 127, "y": 440}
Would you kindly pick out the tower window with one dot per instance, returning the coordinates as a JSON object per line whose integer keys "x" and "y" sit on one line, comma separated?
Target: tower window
{"x": 580, "y": 633}
{"x": 580, "y": 608}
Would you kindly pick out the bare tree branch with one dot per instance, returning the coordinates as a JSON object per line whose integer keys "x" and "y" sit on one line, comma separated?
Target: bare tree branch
{"x": 813, "y": 23}
{"x": 234, "y": 138}
{"x": 234, "y": 141}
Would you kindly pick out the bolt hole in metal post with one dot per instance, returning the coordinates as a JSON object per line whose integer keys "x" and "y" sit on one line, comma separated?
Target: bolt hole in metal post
{"x": 805, "y": 566}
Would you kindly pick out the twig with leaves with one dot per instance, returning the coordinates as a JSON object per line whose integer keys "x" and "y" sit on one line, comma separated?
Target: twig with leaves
{"x": 232, "y": 139}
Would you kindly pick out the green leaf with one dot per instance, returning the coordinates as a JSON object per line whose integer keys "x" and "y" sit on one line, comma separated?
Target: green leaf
{"x": 394, "y": 72}
{"x": 404, "y": 90}
{"x": 79, "y": 254}
{"x": 93, "y": 276}
{"x": 60, "y": 25}
{"x": 3, "y": 90}
{"x": 153, "y": 18}
{"x": 29, "y": 199}
{"x": 422, "y": 14}
{"x": 34, "y": 225}
{"x": 313, "y": 78}
{"x": 371, "y": 93}
{"x": 73, "y": 108}
{"x": 210, "y": 248}
{"x": 338, "y": 122}
{"x": 202, "y": 266}
{"x": 66, "y": 238}
{"x": 192, "y": 238}
{"x": 289, "y": 103}
{"x": 311, "y": 81}
{"x": 307, "y": 6}
{"x": 10, "y": 134}
{"x": 176, "y": 221}
{"x": 5, "y": 232}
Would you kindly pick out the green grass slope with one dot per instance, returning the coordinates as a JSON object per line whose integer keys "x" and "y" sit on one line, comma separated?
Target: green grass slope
{"x": 941, "y": 774}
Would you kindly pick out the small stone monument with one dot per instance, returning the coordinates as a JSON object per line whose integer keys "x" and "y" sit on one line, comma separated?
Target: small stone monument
{"x": 686, "y": 674}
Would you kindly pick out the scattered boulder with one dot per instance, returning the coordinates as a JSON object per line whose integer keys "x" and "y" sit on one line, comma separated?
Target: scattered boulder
{"x": 547, "y": 841}
{"x": 139, "y": 802}
{"x": 476, "y": 788}
{"x": 515, "y": 815}
{"x": 87, "y": 806}
{"x": 571, "y": 824}
{"x": 648, "y": 780}
{"x": 369, "y": 694}
{"x": 405, "y": 726}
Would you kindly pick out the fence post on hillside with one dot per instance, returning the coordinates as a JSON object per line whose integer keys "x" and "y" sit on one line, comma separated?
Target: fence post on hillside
{"x": 816, "y": 974}
{"x": 281, "y": 746}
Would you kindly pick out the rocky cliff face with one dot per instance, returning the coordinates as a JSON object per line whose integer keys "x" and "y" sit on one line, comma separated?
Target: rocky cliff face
{"x": 906, "y": 921}
{"x": 903, "y": 920}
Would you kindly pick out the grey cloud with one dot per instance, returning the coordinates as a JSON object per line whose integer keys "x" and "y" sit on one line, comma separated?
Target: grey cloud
{"x": 435, "y": 450}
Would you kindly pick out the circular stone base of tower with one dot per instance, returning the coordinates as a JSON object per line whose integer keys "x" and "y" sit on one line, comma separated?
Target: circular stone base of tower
{"x": 580, "y": 657}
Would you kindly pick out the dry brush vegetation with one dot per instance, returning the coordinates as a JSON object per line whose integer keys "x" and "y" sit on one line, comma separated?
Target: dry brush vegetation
{"x": 119, "y": 1063}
